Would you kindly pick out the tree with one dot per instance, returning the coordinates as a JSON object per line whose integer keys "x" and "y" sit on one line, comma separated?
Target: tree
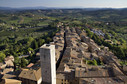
{"x": 95, "y": 62}
{"x": 45, "y": 34}
{"x": 30, "y": 50}
{"x": 107, "y": 36}
{"x": 35, "y": 45}
{"x": 29, "y": 41}
{"x": 16, "y": 61}
{"x": 41, "y": 41}
{"x": 113, "y": 33}
{"x": 48, "y": 39}
{"x": 122, "y": 40}
{"x": 90, "y": 34}
{"x": 2, "y": 56}
{"x": 119, "y": 52}
{"x": 24, "y": 62}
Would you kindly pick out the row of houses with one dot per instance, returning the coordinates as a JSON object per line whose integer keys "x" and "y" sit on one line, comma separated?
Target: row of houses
{"x": 58, "y": 41}
{"x": 73, "y": 70}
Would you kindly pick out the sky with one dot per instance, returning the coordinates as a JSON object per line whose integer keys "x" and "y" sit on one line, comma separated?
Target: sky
{"x": 65, "y": 3}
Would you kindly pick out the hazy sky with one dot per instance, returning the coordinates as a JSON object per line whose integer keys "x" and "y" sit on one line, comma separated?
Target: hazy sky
{"x": 64, "y": 3}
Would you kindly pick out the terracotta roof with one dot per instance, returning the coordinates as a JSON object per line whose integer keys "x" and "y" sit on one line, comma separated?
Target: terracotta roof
{"x": 57, "y": 33}
{"x": 8, "y": 76}
{"x": 7, "y": 70}
{"x": 9, "y": 63}
{"x": 9, "y": 58}
{"x": 31, "y": 74}
{"x": 1, "y": 64}
{"x": 66, "y": 75}
{"x": 30, "y": 65}
{"x": 11, "y": 81}
{"x": 114, "y": 80}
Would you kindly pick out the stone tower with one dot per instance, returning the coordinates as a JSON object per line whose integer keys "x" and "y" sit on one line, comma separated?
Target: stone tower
{"x": 48, "y": 64}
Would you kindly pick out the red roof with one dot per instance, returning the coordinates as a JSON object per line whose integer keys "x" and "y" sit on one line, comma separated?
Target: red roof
{"x": 30, "y": 65}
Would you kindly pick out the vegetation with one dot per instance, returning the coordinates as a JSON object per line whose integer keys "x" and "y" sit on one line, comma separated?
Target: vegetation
{"x": 2, "y": 56}
{"x": 123, "y": 62}
{"x": 117, "y": 50}
{"x": 23, "y": 32}
{"x": 93, "y": 62}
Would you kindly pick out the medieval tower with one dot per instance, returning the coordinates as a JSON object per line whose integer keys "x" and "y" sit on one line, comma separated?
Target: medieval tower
{"x": 48, "y": 64}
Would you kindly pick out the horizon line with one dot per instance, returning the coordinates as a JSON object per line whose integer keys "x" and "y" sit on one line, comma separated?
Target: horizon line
{"x": 63, "y": 7}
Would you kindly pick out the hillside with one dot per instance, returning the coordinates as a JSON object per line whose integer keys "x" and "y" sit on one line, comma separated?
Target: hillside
{"x": 22, "y": 27}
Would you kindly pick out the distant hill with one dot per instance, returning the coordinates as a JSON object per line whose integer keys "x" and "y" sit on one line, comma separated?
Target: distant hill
{"x": 22, "y": 8}
{"x": 5, "y": 8}
{"x": 42, "y": 7}
{"x": 39, "y": 7}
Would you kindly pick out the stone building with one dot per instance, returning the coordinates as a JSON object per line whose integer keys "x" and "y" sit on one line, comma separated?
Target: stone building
{"x": 28, "y": 76}
{"x": 48, "y": 64}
